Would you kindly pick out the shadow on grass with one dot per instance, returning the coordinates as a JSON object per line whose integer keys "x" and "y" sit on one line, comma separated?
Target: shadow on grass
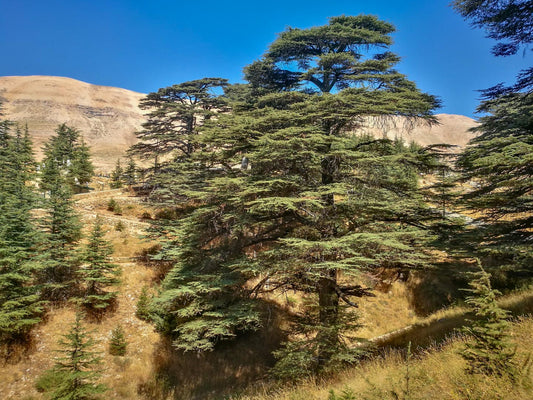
{"x": 435, "y": 331}
{"x": 231, "y": 367}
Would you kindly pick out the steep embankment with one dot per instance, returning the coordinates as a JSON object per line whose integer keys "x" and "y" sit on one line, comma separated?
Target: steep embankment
{"x": 108, "y": 117}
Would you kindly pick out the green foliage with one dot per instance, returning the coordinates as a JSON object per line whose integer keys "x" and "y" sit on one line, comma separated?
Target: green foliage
{"x": 57, "y": 257}
{"x": 117, "y": 176}
{"x": 281, "y": 194}
{"x": 117, "y": 342}
{"x": 119, "y": 226}
{"x": 20, "y": 305}
{"x": 146, "y": 215}
{"x": 97, "y": 272}
{"x": 498, "y": 161}
{"x": 48, "y": 381}
{"x": 82, "y": 168}
{"x": 114, "y": 206}
{"x": 489, "y": 351}
{"x": 65, "y": 156}
{"x": 507, "y": 21}
{"x": 77, "y": 368}
{"x": 143, "y": 305}
{"x": 346, "y": 394}
{"x": 176, "y": 114}
{"x": 130, "y": 173}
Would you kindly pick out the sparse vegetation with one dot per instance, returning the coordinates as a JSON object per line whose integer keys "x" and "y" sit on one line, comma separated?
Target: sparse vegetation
{"x": 114, "y": 207}
{"x": 143, "y": 305}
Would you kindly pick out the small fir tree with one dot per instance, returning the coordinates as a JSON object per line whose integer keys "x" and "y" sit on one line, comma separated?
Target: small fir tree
{"x": 58, "y": 260}
{"x": 82, "y": 167}
{"x": 130, "y": 173}
{"x": 117, "y": 342}
{"x": 77, "y": 368}
{"x": 143, "y": 305}
{"x": 65, "y": 153}
{"x": 114, "y": 206}
{"x": 116, "y": 176}
{"x": 489, "y": 352}
{"x": 97, "y": 272}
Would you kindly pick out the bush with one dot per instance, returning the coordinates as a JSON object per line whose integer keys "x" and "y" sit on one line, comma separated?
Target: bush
{"x": 47, "y": 381}
{"x": 143, "y": 305}
{"x": 146, "y": 215}
{"x": 120, "y": 227}
{"x": 114, "y": 206}
{"x": 117, "y": 342}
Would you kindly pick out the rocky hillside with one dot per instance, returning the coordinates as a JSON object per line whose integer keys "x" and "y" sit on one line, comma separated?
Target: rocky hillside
{"x": 108, "y": 117}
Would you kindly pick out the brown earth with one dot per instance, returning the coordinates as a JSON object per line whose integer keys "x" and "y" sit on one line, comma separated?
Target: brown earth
{"x": 107, "y": 117}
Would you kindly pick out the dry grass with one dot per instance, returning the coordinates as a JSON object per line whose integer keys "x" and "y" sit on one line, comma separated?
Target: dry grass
{"x": 151, "y": 363}
{"x": 122, "y": 374}
{"x": 438, "y": 373}
{"x": 386, "y": 312}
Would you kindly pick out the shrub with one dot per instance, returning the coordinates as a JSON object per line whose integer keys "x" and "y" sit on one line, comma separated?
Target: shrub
{"x": 143, "y": 305}
{"x": 117, "y": 342}
{"x": 146, "y": 215}
{"x": 120, "y": 227}
{"x": 489, "y": 352}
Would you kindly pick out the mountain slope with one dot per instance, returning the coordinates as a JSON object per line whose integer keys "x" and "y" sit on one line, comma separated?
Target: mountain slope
{"x": 108, "y": 117}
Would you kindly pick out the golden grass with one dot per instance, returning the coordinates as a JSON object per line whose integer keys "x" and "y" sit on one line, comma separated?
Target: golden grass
{"x": 121, "y": 374}
{"x": 438, "y": 373}
{"x": 148, "y": 355}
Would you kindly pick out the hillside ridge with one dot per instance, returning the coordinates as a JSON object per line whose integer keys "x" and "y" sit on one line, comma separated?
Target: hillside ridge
{"x": 108, "y": 117}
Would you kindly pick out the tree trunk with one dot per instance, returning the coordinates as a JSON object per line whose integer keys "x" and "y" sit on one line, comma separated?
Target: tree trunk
{"x": 328, "y": 302}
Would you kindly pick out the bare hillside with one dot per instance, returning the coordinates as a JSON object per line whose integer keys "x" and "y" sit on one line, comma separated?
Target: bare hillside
{"x": 108, "y": 117}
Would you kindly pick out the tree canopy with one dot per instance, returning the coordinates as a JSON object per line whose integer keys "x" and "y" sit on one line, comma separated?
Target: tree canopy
{"x": 286, "y": 196}
{"x": 64, "y": 152}
{"x": 498, "y": 162}
{"x": 20, "y": 303}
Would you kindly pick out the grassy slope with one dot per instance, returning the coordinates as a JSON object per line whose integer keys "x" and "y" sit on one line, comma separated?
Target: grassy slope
{"x": 148, "y": 353}
{"x": 435, "y": 373}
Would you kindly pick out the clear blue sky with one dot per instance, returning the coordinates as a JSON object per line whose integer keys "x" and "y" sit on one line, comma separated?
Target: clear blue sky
{"x": 143, "y": 45}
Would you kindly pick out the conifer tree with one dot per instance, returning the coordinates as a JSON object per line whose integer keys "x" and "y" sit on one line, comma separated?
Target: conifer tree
{"x": 286, "y": 197}
{"x": 498, "y": 161}
{"x": 97, "y": 272}
{"x": 489, "y": 351}
{"x": 82, "y": 167}
{"x": 58, "y": 259}
{"x": 175, "y": 115}
{"x": 20, "y": 304}
{"x": 117, "y": 342}
{"x": 142, "y": 310}
{"x": 78, "y": 367}
{"x": 116, "y": 176}
{"x": 71, "y": 158}
{"x": 130, "y": 173}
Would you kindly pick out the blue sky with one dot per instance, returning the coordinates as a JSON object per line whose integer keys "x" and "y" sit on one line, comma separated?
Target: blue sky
{"x": 141, "y": 45}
